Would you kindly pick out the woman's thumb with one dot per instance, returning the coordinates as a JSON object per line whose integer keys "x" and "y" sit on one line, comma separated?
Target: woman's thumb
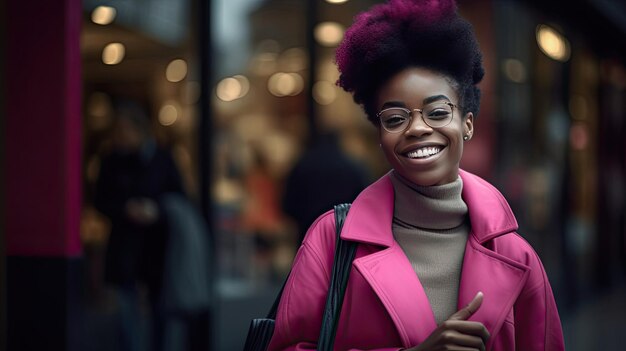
{"x": 467, "y": 311}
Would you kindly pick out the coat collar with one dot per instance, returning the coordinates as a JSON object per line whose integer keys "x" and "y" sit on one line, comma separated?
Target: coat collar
{"x": 390, "y": 275}
{"x": 370, "y": 217}
{"x": 490, "y": 214}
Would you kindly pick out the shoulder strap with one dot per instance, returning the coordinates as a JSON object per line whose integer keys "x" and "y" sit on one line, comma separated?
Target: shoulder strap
{"x": 344, "y": 255}
{"x": 272, "y": 313}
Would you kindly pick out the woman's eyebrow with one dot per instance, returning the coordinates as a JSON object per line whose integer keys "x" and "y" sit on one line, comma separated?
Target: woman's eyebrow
{"x": 426, "y": 101}
{"x": 389, "y": 104}
{"x": 434, "y": 98}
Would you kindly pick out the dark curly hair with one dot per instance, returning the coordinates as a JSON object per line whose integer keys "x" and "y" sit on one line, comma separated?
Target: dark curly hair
{"x": 399, "y": 34}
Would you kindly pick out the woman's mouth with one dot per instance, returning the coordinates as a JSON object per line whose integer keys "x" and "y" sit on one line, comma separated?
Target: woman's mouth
{"x": 424, "y": 152}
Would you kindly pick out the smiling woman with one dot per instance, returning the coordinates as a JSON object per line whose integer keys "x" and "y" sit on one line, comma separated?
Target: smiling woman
{"x": 427, "y": 150}
{"x": 428, "y": 233}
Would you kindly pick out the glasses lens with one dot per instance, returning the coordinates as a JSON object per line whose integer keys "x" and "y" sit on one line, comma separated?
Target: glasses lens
{"x": 394, "y": 119}
{"x": 438, "y": 114}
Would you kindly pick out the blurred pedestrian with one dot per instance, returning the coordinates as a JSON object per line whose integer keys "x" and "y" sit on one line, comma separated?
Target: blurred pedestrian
{"x": 322, "y": 177}
{"x": 132, "y": 178}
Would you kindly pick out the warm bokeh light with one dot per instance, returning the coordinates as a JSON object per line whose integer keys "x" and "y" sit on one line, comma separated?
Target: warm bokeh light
{"x": 299, "y": 83}
{"x": 336, "y": 1}
{"x": 245, "y": 85}
{"x": 552, "y": 43}
{"x": 229, "y": 89}
{"x": 329, "y": 33}
{"x": 324, "y": 92}
{"x": 514, "y": 70}
{"x": 103, "y": 15}
{"x": 285, "y": 84}
{"x": 176, "y": 70}
{"x": 168, "y": 114}
{"x": 113, "y": 53}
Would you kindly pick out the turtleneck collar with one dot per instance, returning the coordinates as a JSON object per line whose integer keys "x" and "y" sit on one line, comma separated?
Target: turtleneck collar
{"x": 438, "y": 207}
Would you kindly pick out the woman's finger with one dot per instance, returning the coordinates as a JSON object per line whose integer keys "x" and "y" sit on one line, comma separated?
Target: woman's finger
{"x": 467, "y": 311}
{"x": 453, "y": 338}
{"x": 476, "y": 329}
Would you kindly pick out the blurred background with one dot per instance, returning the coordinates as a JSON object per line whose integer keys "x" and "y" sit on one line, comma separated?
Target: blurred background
{"x": 212, "y": 120}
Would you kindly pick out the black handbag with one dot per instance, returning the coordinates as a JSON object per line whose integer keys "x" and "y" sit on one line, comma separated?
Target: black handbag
{"x": 262, "y": 329}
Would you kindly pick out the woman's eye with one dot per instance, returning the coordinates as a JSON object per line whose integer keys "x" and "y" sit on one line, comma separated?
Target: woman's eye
{"x": 395, "y": 120}
{"x": 438, "y": 114}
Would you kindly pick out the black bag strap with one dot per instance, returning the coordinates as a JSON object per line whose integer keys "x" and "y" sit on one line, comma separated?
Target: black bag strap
{"x": 344, "y": 255}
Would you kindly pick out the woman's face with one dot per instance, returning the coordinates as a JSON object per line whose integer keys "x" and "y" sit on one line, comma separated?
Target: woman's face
{"x": 441, "y": 148}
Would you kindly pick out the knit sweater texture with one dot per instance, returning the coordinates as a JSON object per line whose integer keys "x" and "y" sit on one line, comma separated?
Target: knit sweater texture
{"x": 431, "y": 225}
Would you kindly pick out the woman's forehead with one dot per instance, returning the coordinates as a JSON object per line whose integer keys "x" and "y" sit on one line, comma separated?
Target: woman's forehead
{"x": 417, "y": 85}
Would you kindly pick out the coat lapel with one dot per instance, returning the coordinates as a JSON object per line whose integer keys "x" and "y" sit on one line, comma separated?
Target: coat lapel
{"x": 388, "y": 271}
{"x": 499, "y": 278}
{"x": 392, "y": 278}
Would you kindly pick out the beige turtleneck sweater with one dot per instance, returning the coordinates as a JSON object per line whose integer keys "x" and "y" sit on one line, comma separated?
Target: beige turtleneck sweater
{"x": 431, "y": 225}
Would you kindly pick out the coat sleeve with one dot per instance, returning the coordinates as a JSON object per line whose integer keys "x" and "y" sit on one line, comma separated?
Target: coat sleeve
{"x": 537, "y": 323}
{"x": 299, "y": 315}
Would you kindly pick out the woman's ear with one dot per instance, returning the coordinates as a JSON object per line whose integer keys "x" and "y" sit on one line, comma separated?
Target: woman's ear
{"x": 468, "y": 126}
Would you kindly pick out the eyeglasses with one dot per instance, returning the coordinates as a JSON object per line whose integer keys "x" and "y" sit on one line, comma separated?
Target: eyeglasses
{"x": 435, "y": 115}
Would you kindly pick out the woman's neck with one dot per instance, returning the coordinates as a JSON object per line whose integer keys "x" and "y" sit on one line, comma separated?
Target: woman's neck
{"x": 438, "y": 207}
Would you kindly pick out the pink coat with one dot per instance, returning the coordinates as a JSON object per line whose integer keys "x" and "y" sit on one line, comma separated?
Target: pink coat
{"x": 385, "y": 307}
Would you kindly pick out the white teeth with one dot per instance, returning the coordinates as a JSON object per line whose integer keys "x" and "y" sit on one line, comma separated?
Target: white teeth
{"x": 424, "y": 152}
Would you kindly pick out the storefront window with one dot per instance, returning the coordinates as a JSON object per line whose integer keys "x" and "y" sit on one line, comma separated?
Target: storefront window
{"x": 274, "y": 98}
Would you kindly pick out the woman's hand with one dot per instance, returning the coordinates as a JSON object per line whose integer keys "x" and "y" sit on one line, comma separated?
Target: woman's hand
{"x": 457, "y": 333}
{"x": 142, "y": 211}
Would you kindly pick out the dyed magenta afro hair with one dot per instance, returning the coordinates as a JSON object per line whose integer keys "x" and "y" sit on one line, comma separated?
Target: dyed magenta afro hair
{"x": 399, "y": 34}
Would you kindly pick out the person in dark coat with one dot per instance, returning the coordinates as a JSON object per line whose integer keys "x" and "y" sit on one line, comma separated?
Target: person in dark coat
{"x": 132, "y": 179}
{"x": 325, "y": 176}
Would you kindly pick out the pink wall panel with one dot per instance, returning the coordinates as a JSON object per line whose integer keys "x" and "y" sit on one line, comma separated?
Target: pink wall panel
{"x": 43, "y": 128}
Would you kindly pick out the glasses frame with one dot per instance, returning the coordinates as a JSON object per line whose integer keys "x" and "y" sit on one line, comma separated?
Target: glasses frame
{"x": 410, "y": 112}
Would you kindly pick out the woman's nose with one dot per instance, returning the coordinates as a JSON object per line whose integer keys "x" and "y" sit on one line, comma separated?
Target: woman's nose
{"x": 417, "y": 126}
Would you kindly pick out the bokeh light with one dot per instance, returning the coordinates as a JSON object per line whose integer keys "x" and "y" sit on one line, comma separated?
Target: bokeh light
{"x": 113, "y": 53}
{"x": 176, "y": 70}
{"x": 324, "y": 92}
{"x": 103, "y": 15}
{"x": 552, "y": 43}
{"x": 233, "y": 88}
{"x": 285, "y": 84}
{"x": 329, "y": 33}
{"x": 168, "y": 114}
